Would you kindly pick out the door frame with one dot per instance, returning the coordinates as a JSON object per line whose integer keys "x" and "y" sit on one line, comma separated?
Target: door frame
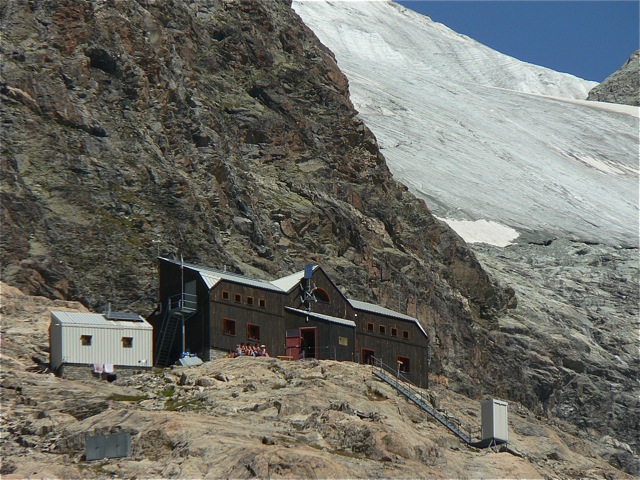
{"x": 367, "y": 354}
{"x": 315, "y": 341}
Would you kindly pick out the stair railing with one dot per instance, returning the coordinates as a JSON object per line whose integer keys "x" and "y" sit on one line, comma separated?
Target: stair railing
{"x": 401, "y": 379}
{"x": 405, "y": 387}
{"x": 163, "y": 329}
{"x": 183, "y": 302}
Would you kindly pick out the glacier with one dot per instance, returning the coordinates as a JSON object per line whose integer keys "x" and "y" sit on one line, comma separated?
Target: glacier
{"x": 485, "y": 139}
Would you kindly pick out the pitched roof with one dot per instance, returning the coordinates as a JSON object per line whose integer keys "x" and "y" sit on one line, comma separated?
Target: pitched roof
{"x": 211, "y": 276}
{"x": 98, "y": 320}
{"x": 320, "y": 316}
{"x": 290, "y": 281}
{"x": 210, "y": 280}
{"x": 373, "y": 308}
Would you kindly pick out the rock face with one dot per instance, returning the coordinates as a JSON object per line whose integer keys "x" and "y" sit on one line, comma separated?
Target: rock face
{"x": 568, "y": 350}
{"x": 220, "y": 131}
{"x": 570, "y": 337}
{"x": 622, "y": 86}
{"x": 254, "y": 417}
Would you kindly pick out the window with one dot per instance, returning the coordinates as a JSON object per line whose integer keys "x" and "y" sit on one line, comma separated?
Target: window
{"x": 321, "y": 295}
{"x": 405, "y": 335}
{"x": 370, "y": 327}
{"x": 394, "y": 332}
{"x": 85, "y": 340}
{"x": 229, "y": 327}
{"x": 382, "y": 329}
{"x": 237, "y": 298}
{"x": 250, "y": 301}
{"x": 405, "y": 364}
{"x": 225, "y": 295}
{"x": 262, "y": 303}
{"x": 127, "y": 342}
{"x": 253, "y": 332}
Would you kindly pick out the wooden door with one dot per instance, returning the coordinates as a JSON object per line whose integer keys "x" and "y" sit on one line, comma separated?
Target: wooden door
{"x": 293, "y": 344}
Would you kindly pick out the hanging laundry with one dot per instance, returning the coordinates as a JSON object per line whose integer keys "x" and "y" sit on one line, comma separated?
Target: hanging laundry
{"x": 108, "y": 368}
{"x": 97, "y": 368}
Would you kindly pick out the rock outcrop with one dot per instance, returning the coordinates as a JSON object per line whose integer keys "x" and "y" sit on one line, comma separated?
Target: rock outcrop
{"x": 622, "y": 86}
{"x": 219, "y": 131}
{"x": 571, "y": 342}
{"x": 253, "y": 417}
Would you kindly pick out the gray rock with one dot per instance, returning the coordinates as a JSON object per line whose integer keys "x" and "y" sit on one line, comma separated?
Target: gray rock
{"x": 221, "y": 377}
{"x": 622, "y": 86}
{"x": 205, "y": 382}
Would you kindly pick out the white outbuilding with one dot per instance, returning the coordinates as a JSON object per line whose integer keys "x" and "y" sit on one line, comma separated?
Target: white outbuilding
{"x": 105, "y": 341}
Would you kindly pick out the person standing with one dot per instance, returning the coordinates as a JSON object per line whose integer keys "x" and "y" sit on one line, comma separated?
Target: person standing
{"x": 302, "y": 345}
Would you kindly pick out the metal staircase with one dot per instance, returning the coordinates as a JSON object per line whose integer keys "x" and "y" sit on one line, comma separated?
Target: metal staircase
{"x": 179, "y": 308}
{"x": 398, "y": 381}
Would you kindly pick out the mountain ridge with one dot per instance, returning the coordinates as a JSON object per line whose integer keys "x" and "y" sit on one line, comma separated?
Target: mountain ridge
{"x": 622, "y": 86}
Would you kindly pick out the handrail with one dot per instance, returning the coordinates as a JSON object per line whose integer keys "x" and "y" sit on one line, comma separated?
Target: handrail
{"x": 183, "y": 301}
{"x": 409, "y": 390}
{"x": 162, "y": 332}
{"x": 380, "y": 364}
{"x": 400, "y": 377}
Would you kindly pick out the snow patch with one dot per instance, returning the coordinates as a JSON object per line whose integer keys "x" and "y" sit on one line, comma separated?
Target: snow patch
{"x": 482, "y": 231}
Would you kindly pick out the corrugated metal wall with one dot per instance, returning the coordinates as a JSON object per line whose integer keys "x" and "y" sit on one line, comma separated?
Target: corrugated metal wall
{"x": 107, "y": 346}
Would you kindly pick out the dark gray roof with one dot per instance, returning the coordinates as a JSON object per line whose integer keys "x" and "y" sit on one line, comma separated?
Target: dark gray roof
{"x": 320, "y": 316}
{"x": 212, "y": 276}
{"x": 377, "y": 309}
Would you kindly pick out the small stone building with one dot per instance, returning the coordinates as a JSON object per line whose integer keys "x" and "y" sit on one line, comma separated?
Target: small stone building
{"x": 217, "y": 310}
{"x": 113, "y": 340}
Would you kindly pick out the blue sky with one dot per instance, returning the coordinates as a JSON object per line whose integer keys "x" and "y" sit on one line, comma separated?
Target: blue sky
{"x": 589, "y": 39}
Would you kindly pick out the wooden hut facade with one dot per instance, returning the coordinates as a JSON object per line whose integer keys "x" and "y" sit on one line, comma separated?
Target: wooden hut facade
{"x": 303, "y": 314}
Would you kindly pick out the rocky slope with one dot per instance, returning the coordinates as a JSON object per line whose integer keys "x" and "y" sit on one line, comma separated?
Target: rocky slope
{"x": 248, "y": 418}
{"x": 220, "y": 131}
{"x": 622, "y": 86}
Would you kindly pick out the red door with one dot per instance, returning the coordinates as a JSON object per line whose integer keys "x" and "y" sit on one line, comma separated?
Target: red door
{"x": 293, "y": 343}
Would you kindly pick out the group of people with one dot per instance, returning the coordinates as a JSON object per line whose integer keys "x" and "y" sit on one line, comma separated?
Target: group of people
{"x": 248, "y": 350}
